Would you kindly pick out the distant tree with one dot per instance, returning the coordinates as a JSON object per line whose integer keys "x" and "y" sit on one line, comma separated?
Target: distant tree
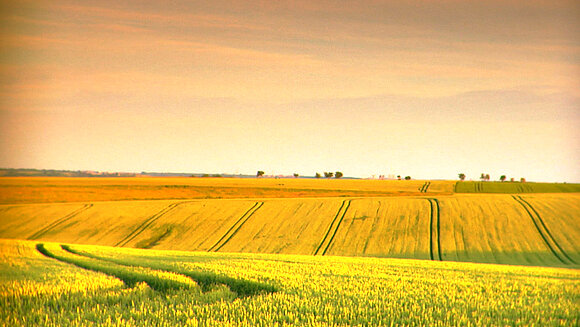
{"x": 338, "y": 174}
{"x": 487, "y": 177}
{"x": 260, "y": 173}
{"x": 399, "y": 177}
{"x": 482, "y": 177}
{"x": 296, "y": 175}
{"x": 522, "y": 180}
{"x": 328, "y": 174}
{"x": 462, "y": 176}
{"x": 407, "y": 178}
{"x": 502, "y": 178}
{"x": 317, "y": 175}
{"x": 512, "y": 179}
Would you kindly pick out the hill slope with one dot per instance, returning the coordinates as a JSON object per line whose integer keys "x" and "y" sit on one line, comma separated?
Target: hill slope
{"x": 538, "y": 229}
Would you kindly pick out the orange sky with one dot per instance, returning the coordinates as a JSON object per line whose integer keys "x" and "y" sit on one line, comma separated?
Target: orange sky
{"x": 421, "y": 88}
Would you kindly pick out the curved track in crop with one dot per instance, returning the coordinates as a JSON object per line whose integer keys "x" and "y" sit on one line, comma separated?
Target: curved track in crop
{"x": 160, "y": 277}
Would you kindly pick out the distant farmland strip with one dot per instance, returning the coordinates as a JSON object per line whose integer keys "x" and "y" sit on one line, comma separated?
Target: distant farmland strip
{"x": 331, "y": 232}
{"x": 544, "y": 231}
{"x": 235, "y": 227}
{"x": 435, "y": 231}
{"x": 147, "y": 223}
{"x": 515, "y": 187}
{"x": 59, "y": 222}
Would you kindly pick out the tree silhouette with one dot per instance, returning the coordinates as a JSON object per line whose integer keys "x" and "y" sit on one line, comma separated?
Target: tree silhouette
{"x": 462, "y": 176}
{"x": 502, "y": 178}
{"x": 260, "y": 173}
{"x": 338, "y": 174}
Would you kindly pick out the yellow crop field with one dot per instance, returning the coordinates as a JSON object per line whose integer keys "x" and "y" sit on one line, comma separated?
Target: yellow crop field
{"x": 492, "y": 228}
{"x": 561, "y": 214}
{"x": 536, "y": 229}
{"x": 293, "y": 226}
{"x": 48, "y": 284}
{"x": 24, "y": 221}
{"x": 384, "y": 227}
{"x": 194, "y": 225}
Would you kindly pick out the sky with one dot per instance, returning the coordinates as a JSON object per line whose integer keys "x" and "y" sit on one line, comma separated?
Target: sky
{"x": 427, "y": 89}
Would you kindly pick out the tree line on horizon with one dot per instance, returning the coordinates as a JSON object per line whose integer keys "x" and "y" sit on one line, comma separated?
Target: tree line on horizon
{"x": 486, "y": 178}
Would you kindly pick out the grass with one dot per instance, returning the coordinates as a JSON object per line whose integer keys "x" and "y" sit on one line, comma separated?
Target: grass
{"x": 258, "y": 237}
{"x": 309, "y": 290}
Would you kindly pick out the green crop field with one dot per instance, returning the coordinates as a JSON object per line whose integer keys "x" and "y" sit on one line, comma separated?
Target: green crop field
{"x": 45, "y": 283}
{"x": 363, "y": 253}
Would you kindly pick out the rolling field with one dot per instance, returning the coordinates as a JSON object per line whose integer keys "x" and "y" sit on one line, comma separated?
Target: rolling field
{"x": 42, "y": 283}
{"x": 537, "y": 229}
{"x": 286, "y": 252}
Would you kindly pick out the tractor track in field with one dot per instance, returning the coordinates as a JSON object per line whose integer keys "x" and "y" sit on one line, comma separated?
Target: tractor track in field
{"x": 132, "y": 273}
{"x": 424, "y": 187}
{"x": 235, "y": 227}
{"x": 59, "y": 221}
{"x": 333, "y": 228}
{"x": 544, "y": 232}
{"x": 435, "y": 230}
{"x": 145, "y": 224}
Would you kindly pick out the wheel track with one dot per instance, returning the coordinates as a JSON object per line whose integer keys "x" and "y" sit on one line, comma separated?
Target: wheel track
{"x": 434, "y": 230}
{"x": 544, "y": 232}
{"x": 145, "y": 224}
{"x": 130, "y": 273}
{"x": 59, "y": 221}
{"x": 333, "y": 228}
{"x": 235, "y": 227}
{"x": 424, "y": 187}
